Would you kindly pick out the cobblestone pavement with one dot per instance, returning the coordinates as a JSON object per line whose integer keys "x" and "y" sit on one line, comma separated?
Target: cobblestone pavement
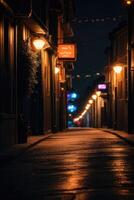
{"x": 76, "y": 165}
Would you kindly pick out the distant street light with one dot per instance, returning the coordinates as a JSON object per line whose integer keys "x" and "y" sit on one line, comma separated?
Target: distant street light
{"x": 94, "y": 96}
{"x": 90, "y": 101}
{"x": 87, "y": 106}
{"x": 98, "y": 93}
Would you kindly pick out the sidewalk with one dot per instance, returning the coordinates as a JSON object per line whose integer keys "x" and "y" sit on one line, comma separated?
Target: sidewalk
{"x": 129, "y": 138}
{"x": 18, "y": 149}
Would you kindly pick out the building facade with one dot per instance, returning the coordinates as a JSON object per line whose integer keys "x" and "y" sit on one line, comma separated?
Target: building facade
{"x": 120, "y": 53}
{"x": 33, "y": 97}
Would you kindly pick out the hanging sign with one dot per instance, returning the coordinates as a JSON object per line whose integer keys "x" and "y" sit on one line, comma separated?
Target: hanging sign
{"x": 67, "y": 51}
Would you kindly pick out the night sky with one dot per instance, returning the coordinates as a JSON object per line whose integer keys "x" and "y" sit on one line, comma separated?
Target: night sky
{"x": 92, "y": 38}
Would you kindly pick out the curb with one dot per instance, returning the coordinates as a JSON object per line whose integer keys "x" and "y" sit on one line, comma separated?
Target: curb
{"x": 7, "y": 157}
{"x": 131, "y": 143}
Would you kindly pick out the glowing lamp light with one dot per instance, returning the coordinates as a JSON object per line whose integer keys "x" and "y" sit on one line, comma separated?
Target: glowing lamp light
{"x": 84, "y": 112}
{"x": 94, "y": 96}
{"x": 76, "y": 119}
{"x": 98, "y": 93}
{"x": 38, "y": 43}
{"x": 90, "y": 101}
{"x": 57, "y": 70}
{"x": 87, "y": 106}
{"x": 117, "y": 69}
{"x": 62, "y": 89}
{"x": 128, "y": 2}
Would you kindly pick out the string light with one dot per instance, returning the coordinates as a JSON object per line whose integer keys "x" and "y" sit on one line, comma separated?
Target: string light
{"x": 90, "y": 102}
{"x": 94, "y": 20}
{"x": 94, "y": 96}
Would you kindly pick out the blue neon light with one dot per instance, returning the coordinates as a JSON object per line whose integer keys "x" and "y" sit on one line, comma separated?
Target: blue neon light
{"x": 71, "y": 108}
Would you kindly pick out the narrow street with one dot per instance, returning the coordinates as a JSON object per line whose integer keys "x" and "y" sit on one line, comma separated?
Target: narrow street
{"x": 86, "y": 164}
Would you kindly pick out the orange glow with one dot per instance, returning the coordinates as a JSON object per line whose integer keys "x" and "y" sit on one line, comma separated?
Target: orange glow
{"x": 83, "y": 113}
{"x": 57, "y": 70}
{"x": 87, "y": 106}
{"x": 76, "y": 119}
{"x": 117, "y": 69}
{"x": 98, "y": 93}
{"x": 90, "y": 101}
{"x": 38, "y": 43}
{"x": 66, "y": 51}
{"x": 128, "y": 2}
{"x": 94, "y": 96}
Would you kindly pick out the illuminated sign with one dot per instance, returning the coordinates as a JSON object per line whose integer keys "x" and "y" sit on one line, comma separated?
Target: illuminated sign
{"x": 102, "y": 86}
{"x": 67, "y": 51}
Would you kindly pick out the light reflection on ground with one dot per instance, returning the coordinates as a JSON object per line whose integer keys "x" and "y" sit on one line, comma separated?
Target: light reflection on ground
{"x": 91, "y": 165}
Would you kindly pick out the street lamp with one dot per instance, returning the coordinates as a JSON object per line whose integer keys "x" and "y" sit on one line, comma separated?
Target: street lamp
{"x": 87, "y": 106}
{"x": 98, "y": 93}
{"x": 117, "y": 69}
{"x": 90, "y": 101}
{"x": 94, "y": 96}
{"x": 38, "y": 43}
{"x": 129, "y": 2}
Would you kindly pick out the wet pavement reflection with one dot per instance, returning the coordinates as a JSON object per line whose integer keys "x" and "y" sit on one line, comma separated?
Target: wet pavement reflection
{"x": 75, "y": 165}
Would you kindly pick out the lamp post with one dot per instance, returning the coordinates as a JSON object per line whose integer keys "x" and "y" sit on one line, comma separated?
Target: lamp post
{"x": 117, "y": 69}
